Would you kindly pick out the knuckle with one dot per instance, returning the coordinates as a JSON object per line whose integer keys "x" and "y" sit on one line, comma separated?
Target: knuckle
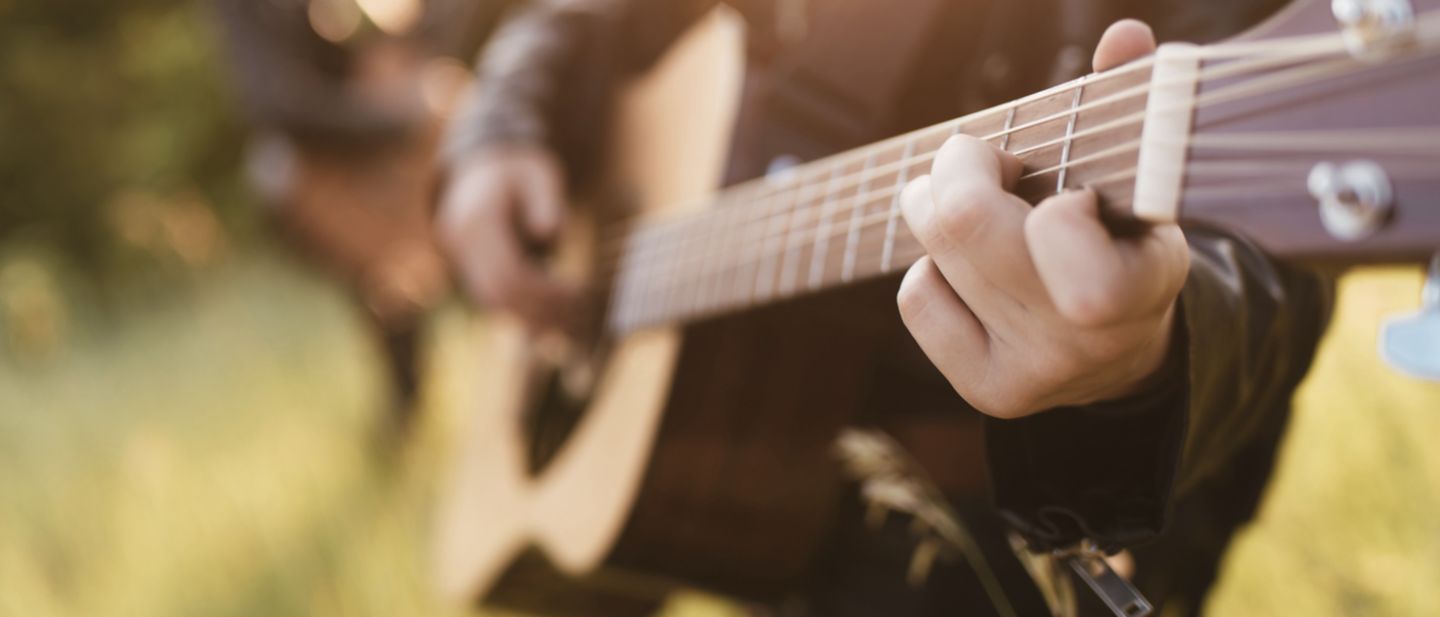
{"x": 911, "y": 299}
{"x": 963, "y": 212}
{"x": 961, "y": 142}
{"x": 1091, "y": 306}
{"x": 1057, "y": 368}
{"x": 1040, "y": 221}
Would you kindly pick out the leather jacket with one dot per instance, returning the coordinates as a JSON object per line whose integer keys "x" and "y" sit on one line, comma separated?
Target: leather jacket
{"x": 1111, "y": 471}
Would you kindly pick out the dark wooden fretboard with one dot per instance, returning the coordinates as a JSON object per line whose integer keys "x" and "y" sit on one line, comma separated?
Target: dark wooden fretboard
{"x": 837, "y": 220}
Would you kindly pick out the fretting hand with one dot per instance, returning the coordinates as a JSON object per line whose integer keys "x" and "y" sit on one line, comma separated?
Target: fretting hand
{"x": 1026, "y": 309}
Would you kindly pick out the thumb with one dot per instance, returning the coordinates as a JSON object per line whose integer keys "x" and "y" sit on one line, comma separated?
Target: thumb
{"x": 1123, "y": 41}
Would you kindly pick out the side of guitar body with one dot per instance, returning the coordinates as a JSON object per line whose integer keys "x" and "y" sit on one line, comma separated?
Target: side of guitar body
{"x": 707, "y": 446}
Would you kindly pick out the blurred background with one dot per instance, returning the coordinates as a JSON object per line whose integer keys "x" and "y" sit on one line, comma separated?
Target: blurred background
{"x": 230, "y": 361}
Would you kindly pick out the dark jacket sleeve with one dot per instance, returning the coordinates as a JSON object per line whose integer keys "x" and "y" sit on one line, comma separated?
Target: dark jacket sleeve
{"x": 1246, "y": 335}
{"x": 549, "y": 74}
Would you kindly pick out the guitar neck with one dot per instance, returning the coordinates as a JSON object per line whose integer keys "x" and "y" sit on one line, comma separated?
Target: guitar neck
{"x": 1306, "y": 147}
{"x": 835, "y": 221}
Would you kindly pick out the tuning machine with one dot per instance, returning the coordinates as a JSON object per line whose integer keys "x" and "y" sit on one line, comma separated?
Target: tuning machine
{"x": 1375, "y": 28}
{"x": 1411, "y": 343}
{"x": 1355, "y": 198}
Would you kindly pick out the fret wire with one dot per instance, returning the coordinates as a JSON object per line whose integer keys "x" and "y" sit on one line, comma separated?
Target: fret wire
{"x": 767, "y": 266}
{"x": 704, "y": 245}
{"x": 768, "y": 251}
{"x": 639, "y": 283}
{"x": 1069, "y": 134}
{"x": 777, "y": 202}
{"x": 715, "y": 255}
{"x": 663, "y": 291}
{"x": 725, "y": 278}
{"x": 853, "y": 236}
{"x": 788, "y": 273}
{"x": 734, "y": 234}
{"x": 669, "y": 265}
{"x": 1005, "y": 131}
{"x": 909, "y": 160}
{"x": 866, "y": 221}
{"x": 687, "y": 280}
{"x": 1121, "y": 71}
{"x": 671, "y": 277}
{"x": 900, "y": 181}
{"x": 855, "y": 202}
{"x": 720, "y": 227}
{"x": 622, "y": 298}
{"x": 972, "y": 117}
{"x": 741, "y": 289}
{"x": 872, "y": 220}
{"x": 822, "y": 230}
{"x": 645, "y": 287}
{"x": 714, "y": 277}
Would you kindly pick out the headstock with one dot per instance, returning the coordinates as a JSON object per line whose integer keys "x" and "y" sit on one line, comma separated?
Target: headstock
{"x": 1317, "y": 135}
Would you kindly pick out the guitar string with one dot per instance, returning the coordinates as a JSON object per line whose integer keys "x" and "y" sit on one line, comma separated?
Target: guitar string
{"x": 1287, "y": 52}
{"x": 1217, "y": 96}
{"x": 1325, "y": 43}
{"x": 906, "y": 163}
{"x": 907, "y": 249}
{"x": 1214, "y": 97}
{"x": 735, "y": 270}
{"x": 903, "y": 243}
{"x": 1233, "y": 94}
{"x": 1287, "y": 49}
{"x": 852, "y": 179}
{"x": 1243, "y": 92}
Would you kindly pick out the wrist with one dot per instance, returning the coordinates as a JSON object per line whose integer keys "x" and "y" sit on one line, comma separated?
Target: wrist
{"x": 1158, "y": 363}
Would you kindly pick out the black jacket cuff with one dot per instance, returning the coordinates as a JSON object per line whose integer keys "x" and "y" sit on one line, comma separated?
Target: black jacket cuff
{"x": 1103, "y": 471}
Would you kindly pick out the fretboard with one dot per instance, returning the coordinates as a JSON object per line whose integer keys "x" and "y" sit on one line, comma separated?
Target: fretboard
{"x": 837, "y": 220}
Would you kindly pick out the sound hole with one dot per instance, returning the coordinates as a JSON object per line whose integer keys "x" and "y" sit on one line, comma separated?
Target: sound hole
{"x": 559, "y": 394}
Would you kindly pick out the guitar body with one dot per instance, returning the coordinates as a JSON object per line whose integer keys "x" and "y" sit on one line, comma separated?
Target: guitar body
{"x": 702, "y": 451}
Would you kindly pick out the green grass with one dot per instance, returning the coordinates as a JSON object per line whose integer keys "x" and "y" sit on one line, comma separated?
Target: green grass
{"x": 212, "y": 453}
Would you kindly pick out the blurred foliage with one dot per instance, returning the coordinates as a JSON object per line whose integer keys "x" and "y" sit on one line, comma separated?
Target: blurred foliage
{"x": 120, "y": 145}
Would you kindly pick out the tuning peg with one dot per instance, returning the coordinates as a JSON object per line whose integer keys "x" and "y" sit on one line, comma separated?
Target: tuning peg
{"x": 1374, "y": 29}
{"x": 1355, "y": 198}
{"x": 1411, "y": 342}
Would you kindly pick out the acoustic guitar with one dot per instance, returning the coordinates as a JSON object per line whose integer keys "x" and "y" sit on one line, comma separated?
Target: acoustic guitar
{"x": 691, "y": 441}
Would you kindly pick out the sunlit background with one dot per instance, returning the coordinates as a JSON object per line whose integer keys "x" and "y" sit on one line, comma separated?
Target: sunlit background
{"x": 193, "y": 414}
